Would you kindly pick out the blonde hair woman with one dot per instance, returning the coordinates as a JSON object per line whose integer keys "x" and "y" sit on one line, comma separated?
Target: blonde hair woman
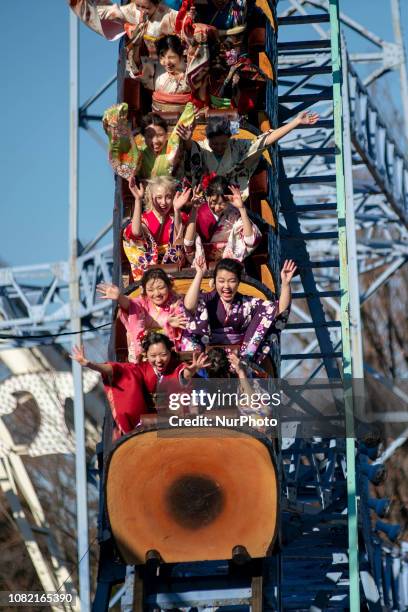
{"x": 156, "y": 235}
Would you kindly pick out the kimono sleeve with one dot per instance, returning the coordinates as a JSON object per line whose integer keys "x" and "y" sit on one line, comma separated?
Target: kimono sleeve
{"x": 261, "y": 325}
{"x": 168, "y": 24}
{"x": 198, "y": 326}
{"x": 124, "y": 155}
{"x": 240, "y": 246}
{"x": 129, "y": 12}
{"x": 173, "y": 149}
{"x": 103, "y": 19}
{"x": 125, "y": 390}
{"x": 136, "y": 312}
{"x": 248, "y": 152}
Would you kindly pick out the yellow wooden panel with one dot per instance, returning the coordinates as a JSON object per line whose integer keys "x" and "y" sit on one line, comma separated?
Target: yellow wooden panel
{"x": 267, "y": 278}
{"x": 265, "y": 8}
{"x": 181, "y": 286}
{"x": 266, "y": 66}
{"x": 267, "y": 213}
{"x": 264, "y": 123}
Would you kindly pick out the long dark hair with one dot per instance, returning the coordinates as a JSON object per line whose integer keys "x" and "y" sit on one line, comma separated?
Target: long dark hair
{"x": 152, "y": 119}
{"x": 153, "y": 337}
{"x": 230, "y": 265}
{"x": 156, "y": 274}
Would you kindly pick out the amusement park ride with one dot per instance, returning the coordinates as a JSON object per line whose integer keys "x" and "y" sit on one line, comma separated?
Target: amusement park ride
{"x": 334, "y": 197}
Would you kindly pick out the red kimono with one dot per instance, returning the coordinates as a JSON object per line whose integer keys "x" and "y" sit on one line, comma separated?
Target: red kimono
{"x": 131, "y": 389}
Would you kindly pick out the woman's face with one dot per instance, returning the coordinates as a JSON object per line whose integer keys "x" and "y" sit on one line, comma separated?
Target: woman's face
{"x": 171, "y": 62}
{"x": 155, "y": 138}
{"x": 217, "y": 203}
{"x": 157, "y": 291}
{"x": 158, "y": 355}
{"x": 145, "y": 7}
{"x": 162, "y": 200}
{"x": 226, "y": 285}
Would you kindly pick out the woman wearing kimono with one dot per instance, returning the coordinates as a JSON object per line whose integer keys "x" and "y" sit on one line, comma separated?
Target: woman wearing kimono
{"x": 221, "y": 223}
{"x": 156, "y": 235}
{"x": 171, "y": 90}
{"x": 132, "y": 388}
{"x": 152, "y": 154}
{"x": 158, "y": 309}
{"x": 234, "y": 158}
{"x": 144, "y": 21}
{"x": 225, "y": 316}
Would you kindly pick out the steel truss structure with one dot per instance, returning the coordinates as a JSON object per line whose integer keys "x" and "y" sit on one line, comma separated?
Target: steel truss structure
{"x": 373, "y": 232}
{"x": 34, "y": 300}
{"x": 371, "y": 183}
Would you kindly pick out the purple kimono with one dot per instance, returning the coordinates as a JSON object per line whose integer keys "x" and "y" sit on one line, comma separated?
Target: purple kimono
{"x": 251, "y": 322}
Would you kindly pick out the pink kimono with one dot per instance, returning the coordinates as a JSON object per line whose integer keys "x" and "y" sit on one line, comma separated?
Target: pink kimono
{"x": 144, "y": 316}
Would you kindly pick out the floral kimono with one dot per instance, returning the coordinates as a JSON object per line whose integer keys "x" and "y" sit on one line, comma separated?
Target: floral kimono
{"x": 132, "y": 389}
{"x": 113, "y": 21}
{"x": 224, "y": 236}
{"x": 143, "y": 316}
{"x": 127, "y": 156}
{"x": 252, "y": 323}
{"x": 238, "y": 163}
{"x": 171, "y": 93}
{"x": 156, "y": 244}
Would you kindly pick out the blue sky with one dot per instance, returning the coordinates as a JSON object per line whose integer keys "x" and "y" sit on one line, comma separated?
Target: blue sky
{"x": 34, "y": 111}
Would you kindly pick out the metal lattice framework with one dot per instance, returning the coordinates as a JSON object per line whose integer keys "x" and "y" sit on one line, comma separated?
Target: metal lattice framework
{"x": 34, "y": 300}
{"x": 374, "y": 174}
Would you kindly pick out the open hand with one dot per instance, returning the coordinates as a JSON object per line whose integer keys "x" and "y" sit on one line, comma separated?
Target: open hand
{"x": 78, "y": 355}
{"x": 199, "y": 360}
{"x": 137, "y": 190}
{"x": 178, "y": 321}
{"x": 289, "y": 269}
{"x": 108, "y": 291}
{"x": 236, "y": 363}
{"x": 306, "y": 118}
{"x": 235, "y": 199}
{"x": 185, "y": 132}
{"x": 198, "y": 197}
{"x": 181, "y": 198}
{"x": 200, "y": 264}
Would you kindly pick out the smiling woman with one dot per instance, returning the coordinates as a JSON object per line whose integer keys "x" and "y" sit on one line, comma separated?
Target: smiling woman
{"x": 158, "y": 308}
{"x": 225, "y": 316}
{"x": 155, "y": 236}
{"x": 158, "y": 154}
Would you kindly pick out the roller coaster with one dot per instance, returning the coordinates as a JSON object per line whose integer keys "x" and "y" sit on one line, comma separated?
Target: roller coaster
{"x": 306, "y": 533}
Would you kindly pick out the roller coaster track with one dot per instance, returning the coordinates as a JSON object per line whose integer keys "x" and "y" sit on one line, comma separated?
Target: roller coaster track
{"x": 331, "y": 206}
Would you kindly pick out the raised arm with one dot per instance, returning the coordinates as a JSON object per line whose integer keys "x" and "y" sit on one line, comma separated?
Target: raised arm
{"x": 137, "y": 191}
{"x": 288, "y": 270}
{"x": 78, "y": 355}
{"x": 236, "y": 201}
{"x": 200, "y": 360}
{"x": 180, "y": 199}
{"x": 192, "y": 295}
{"x": 108, "y": 291}
{"x": 191, "y": 229}
{"x": 303, "y": 118}
{"x": 241, "y": 373}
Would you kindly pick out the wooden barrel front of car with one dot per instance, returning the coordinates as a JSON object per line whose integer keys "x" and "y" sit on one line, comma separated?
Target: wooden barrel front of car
{"x": 192, "y": 495}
